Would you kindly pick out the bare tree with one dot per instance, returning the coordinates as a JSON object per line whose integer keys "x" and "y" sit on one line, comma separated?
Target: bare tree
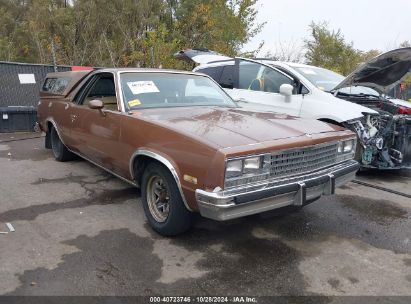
{"x": 290, "y": 51}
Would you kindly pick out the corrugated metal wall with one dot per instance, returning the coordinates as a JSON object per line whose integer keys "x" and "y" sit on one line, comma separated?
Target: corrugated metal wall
{"x": 15, "y": 93}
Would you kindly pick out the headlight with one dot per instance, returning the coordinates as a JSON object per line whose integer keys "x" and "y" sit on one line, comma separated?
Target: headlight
{"x": 247, "y": 169}
{"x": 234, "y": 168}
{"x": 346, "y": 149}
{"x": 348, "y": 146}
{"x": 252, "y": 164}
{"x": 340, "y": 147}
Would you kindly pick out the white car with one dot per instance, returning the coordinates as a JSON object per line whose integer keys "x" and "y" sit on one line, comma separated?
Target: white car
{"x": 310, "y": 92}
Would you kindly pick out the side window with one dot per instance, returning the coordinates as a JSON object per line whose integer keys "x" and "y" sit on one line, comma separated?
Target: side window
{"x": 48, "y": 84}
{"x": 299, "y": 88}
{"x": 103, "y": 89}
{"x": 55, "y": 85}
{"x": 227, "y": 77}
{"x": 60, "y": 85}
{"x": 214, "y": 72}
{"x": 304, "y": 90}
{"x": 249, "y": 75}
{"x": 257, "y": 77}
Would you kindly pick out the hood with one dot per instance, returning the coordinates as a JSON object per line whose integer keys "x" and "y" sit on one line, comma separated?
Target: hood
{"x": 329, "y": 107}
{"x": 231, "y": 127}
{"x": 200, "y": 56}
{"x": 381, "y": 73}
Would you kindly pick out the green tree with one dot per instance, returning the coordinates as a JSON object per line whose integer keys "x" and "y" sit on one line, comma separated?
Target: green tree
{"x": 224, "y": 26}
{"x": 144, "y": 33}
{"x": 328, "y": 49}
{"x": 366, "y": 56}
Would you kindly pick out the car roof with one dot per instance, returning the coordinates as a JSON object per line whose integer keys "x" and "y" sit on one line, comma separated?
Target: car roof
{"x": 294, "y": 64}
{"x": 143, "y": 70}
{"x": 77, "y": 76}
{"x": 261, "y": 60}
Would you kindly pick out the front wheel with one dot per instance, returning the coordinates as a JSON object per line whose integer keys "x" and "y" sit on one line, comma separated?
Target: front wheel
{"x": 162, "y": 202}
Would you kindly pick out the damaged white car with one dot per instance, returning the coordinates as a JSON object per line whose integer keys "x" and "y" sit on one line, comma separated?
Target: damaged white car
{"x": 358, "y": 102}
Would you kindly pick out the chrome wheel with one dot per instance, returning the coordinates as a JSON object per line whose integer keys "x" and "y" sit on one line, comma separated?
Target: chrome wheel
{"x": 158, "y": 198}
{"x": 162, "y": 202}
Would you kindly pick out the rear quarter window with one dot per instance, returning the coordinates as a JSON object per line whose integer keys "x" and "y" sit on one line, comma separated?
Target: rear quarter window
{"x": 214, "y": 72}
{"x": 227, "y": 77}
{"x": 55, "y": 85}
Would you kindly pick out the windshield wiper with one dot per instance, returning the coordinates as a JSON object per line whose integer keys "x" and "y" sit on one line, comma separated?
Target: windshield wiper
{"x": 367, "y": 95}
{"x": 356, "y": 95}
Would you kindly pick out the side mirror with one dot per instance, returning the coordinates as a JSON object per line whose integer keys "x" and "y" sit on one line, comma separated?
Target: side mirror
{"x": 286, "y": 89}
{"x": 96, "y": 104}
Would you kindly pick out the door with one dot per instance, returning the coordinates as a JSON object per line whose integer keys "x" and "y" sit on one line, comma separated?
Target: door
{"x": 258, "y": 86}
{"x": 95, "y": 134}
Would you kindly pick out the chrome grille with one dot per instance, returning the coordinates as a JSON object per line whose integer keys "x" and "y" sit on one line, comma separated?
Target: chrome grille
{"x": 302, "y": 160}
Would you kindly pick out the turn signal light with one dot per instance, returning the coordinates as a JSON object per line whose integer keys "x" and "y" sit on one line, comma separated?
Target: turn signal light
{"x": 404, "y": 110}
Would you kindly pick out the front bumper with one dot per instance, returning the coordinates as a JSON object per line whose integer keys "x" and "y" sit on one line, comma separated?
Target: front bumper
{"x": 226, "y": 205}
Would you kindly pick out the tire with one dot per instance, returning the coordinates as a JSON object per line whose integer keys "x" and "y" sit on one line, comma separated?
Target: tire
{"x": 162, "y": 202}
{"x": 60, "y": 152}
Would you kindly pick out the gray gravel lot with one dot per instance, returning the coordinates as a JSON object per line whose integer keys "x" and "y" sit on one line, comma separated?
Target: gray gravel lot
{"x": 81, "y": 231}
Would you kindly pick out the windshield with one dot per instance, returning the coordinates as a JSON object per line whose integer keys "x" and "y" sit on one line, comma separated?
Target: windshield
{"x": 323, "y": 79}
{"x": 327, "y": 80}
{"x": 166, "y": 90}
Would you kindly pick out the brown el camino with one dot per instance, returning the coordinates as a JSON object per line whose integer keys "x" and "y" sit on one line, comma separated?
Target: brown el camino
{"x": 188, "y": 146}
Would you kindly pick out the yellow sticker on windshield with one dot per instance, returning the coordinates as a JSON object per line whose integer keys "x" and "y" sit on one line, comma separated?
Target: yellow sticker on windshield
{"x": 134, "y": 102}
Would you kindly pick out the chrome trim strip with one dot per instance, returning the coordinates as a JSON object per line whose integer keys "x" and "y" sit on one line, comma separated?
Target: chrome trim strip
{"x": 295, "y": 175}
{"x": 120, "y": 90}
{"x": 49, "y": 119}
{"x": 218, "y": 206}
{"x": 166, "y": 163}
{"x": 267, "y": 185}
{"x": 119, "y": 101}
{"x": 89, "y": 77}
{"x": 123, "y": 105}
{"x": 112, "y": 112}
{"x": 300, "y": 197}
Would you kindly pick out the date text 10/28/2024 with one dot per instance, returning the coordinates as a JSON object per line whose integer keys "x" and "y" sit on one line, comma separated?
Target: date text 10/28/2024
{"x": 207, "y": 299}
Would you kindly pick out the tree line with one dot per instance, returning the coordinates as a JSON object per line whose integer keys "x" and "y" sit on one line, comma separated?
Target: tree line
{"x": 146, "y": 33}
{"x": 326, "y": 48}
{"x": 136, "y": 33}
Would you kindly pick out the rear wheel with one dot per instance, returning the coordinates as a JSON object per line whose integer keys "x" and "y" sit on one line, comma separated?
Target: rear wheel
{"x": 60, "y": 151}
{"x": 162, "y": 202}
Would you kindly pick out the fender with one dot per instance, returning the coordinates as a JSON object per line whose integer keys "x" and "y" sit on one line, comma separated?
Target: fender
{"x": 51, "y": 120}
{"x": 165, "y": 162}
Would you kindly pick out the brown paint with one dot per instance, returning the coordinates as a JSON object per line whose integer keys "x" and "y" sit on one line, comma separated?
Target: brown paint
{"x": 195, "y": 140}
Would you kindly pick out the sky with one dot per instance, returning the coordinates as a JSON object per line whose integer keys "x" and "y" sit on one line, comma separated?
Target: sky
{"x": 369, "y": 24}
